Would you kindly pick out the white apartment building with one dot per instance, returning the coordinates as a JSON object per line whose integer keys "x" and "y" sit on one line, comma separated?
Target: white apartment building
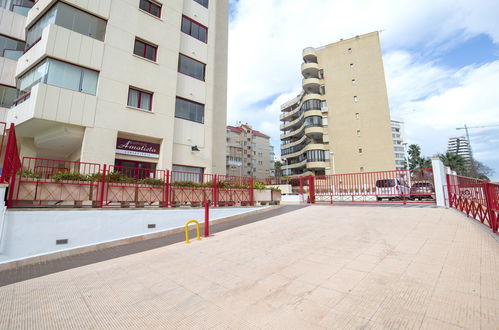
{"x": 399, "y": 144}
{"x": 139, "y": 83}
{"x": 459, "y": 145}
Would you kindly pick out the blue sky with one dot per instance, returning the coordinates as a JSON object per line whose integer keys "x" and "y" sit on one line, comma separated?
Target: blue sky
{"x": 441, "y": 62}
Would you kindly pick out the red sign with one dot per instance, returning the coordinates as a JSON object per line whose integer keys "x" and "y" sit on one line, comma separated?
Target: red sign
{"x": 137, "y": 148}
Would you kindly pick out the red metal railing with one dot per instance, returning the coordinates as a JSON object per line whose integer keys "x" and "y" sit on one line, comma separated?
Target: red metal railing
{"x": 477, "y": 199}
{"x": 192, "y": 188}
{"x": 371, "y": 187}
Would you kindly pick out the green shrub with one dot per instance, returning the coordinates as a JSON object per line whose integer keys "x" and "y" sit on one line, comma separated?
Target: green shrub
{"x": 69, "y": 176}
{"x": 151, "y": 181}
{"x": 29, "y": 174}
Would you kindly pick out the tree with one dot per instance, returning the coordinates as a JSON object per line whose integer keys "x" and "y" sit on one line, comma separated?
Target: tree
{"x": 277, "y": 166}
{"x": 455, "y": 162}
{"x": 482, "y": 171}
{"x": 415, "y": 158}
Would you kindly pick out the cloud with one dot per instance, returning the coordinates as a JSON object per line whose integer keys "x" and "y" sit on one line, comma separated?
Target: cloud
{"x": 267, "y": 37}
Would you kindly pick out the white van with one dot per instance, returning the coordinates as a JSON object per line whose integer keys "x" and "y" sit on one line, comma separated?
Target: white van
{"x": 392, "y": 189}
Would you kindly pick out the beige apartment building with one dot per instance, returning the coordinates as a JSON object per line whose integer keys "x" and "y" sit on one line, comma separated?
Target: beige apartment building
{"x": 138, "y": 83}
{"x": 340, "y": 122}
{"x": 249, "y": 152}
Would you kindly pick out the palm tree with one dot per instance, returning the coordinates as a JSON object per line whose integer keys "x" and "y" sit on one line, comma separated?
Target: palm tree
{"x": 454, "y": 161}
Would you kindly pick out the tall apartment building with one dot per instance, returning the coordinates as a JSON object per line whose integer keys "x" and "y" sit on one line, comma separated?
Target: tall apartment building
{"x": 340, "y": 122}
{"x": 399, "y": 144}
{"x": 459, "y": 145}
{"x": 249, "y": 152}
{"x": 138, "y": 83}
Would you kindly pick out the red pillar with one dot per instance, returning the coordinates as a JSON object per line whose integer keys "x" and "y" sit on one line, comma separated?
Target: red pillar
{"x": 251, "y": 192}
{"x": 102, "y": 186}
{"x": 167, "y": 188}
{"x": 489, "y": 200}
{"x": 311, "y": 189}
{"x": 206, "y": 219}
{"x": 215, "y": 190}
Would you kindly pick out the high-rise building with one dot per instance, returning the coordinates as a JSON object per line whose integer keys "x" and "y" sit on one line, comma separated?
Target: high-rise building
{"x": 459, "y": 145}
{"x": 138, "y": 83}
{"x": 399, "y": 144}
{"x": 340, "y": 122}
{"x": 249, "y": 152}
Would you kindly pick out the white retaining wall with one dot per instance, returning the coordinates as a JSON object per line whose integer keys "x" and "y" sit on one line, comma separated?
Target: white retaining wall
{"x": 28, "y": 233}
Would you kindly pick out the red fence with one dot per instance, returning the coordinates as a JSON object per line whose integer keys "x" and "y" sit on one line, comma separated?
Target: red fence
{"x": 11, "y": 162}
{"x": 53, "y": 183}
{"x": 478, "y": 199}
{"x": 408, "y": 186}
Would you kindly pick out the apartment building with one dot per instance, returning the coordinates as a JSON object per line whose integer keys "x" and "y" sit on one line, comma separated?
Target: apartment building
{"x": 139, "y": 83}
{"x": 459, "y": 145}
{"x": 340, "y": 122}
{"x": 399, "y": 144}
{"x": 249, "y": 152}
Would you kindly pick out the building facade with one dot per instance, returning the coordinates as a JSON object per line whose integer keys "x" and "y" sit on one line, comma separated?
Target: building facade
{"x": 249, "y": 152}
{"x": 340, "y": 122}
{"x": 399, "y": 144}
{"x": 459, "y": 145}
{"x": 139, "y": 83}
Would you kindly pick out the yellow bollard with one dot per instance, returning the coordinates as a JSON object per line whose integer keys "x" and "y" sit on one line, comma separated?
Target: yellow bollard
{"x": 187, "y": 230}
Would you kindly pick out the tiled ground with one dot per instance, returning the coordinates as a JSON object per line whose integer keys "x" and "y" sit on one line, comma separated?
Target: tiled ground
{"x": 317, "y": 267}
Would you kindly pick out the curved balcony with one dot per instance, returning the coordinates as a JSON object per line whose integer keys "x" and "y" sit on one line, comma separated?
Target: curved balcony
{"x": 317, "y": 165}
{"x": 295, "y": 100}
{"x": 313, "y": 96}
{"x": 314, "y": 131}
{"x": 311, "y": 146}
{"x": 286, "y": 115}
{"x": 309, "y": 55}
{"x": 311, "y": 84}
{"x": 296, "y": 132}
{"x": 313, "y": 112}
{"x": 310, "y": 70}
{"x": 292, "y": 144}
{"x": 303, "y": 163}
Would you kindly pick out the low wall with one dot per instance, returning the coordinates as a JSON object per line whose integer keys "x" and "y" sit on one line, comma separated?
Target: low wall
{"x": 29, "y": 233}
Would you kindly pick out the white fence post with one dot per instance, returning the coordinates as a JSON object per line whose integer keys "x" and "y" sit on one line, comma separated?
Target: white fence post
{"x": 3, "y": 191}
{"x": 440, "y": 181}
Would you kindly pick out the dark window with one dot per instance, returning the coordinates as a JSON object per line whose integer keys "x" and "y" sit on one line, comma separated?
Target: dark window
{"x": 194, "y": 29}
{"x": 18, "y": 6}
{"x": 144, "y": 49}
{"x": 189, "y": 110}
{"x": 191, "y": 67}
{"x": 203, "y": 3}
{"x": 139, "y": 99}
{"x": 7, "y": 96}
{"x": 151, "y": 7}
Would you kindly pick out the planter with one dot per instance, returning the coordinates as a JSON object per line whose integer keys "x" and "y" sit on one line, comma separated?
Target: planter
{"x": 120, "y": 193}
{"x": 150, "y": 194}
{"x": 286, "y": 189}
{"x": 262, "y": 195}
{"x": 276, "y": 195}
{"x": 26, "y": 191}
{"x": 74, "y": 191}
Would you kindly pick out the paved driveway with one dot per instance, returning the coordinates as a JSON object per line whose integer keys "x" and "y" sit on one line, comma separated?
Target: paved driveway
{"x": 317, "y": 267}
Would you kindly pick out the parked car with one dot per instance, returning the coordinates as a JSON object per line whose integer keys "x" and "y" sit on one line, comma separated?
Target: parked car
{"x": 422, "y": 189}
{"x": 392, "y": 189}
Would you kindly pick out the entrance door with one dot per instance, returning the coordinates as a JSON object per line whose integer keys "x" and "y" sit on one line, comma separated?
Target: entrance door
{"x": 135, "y": 169}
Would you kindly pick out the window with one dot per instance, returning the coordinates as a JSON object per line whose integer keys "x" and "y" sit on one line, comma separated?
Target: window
{"x": 360, "y": 150}
{"x": 357, "y": 115}
{"x": 190, "y": 110}
{"x": 60, "y": 74}
{"x": 321, "y": 74}
{"x": 313, "y": 121}
{"x": 316, "y": 156}
{"x": 8, "y": 95}
{"x": 358, "y": 132}
{"x": 203, "y": 3}
{"x": 355, "y": 99}
{"x": 354, "y": 81}
{"x": 139, "y": 99}
{"x": 187, "y": 173}
{"x": 11, "y": 48}
{"x": 70, "y": 18}
{"x": 323, "y": 90}
{"x": 191, "y": 67}
{"x": 194, "y": 29}
{"x": 143, "y": 49}
{"x": 398, "y": 148}
{"x": 349, "y": 50}
{"x": 400, "y": 156}
{"x": 351, "y": 65}
{"x": 151, "y": 7}
{"x": 20, "y": 7}
{"x": 400, "y": 162}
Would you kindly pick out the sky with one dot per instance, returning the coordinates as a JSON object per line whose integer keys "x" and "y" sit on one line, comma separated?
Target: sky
{"x": 441, "y": 61}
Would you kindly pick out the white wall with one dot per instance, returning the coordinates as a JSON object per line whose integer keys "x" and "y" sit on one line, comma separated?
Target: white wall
{"x": 32, "y": 233}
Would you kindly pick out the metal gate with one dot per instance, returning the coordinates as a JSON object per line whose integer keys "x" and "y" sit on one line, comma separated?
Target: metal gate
{"x": 405, "y": 186}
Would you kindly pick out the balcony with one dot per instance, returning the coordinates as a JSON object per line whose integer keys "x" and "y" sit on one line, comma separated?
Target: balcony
{"x": 66, "y": 45}
{"x": 296, "y": 132}
{"x": 301, "y": 164}
{"x": 311, "y": 146}
{"x": 309, "y": 55}
{"x": 312, "y": 85}
{"x": 310, "y": 70}
{"x": 317, "y": 165}
{"x": 292, "y": 144}
{"x": 314, "y": 132}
